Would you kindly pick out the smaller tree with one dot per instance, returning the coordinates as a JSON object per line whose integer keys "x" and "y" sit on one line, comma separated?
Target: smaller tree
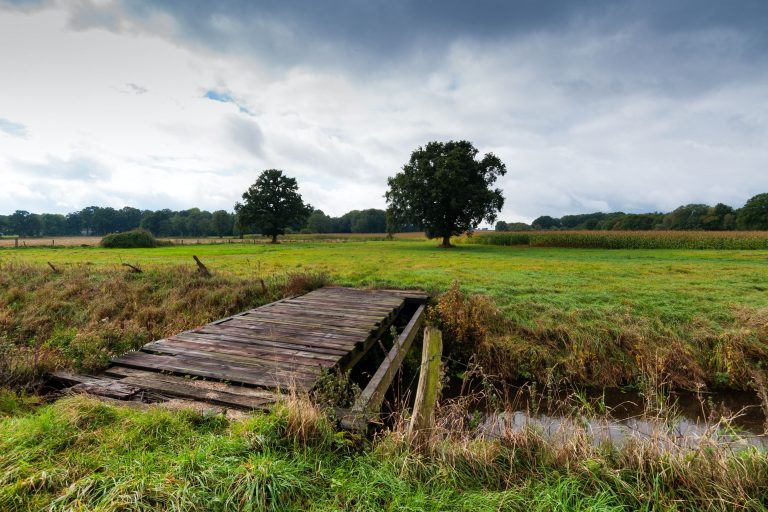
{"x": 272, "y": 204}
{"x": 545, "y": 222}
{"x": 502, "y": 226}
{"x": 222, "y": 223}
{"x": 754, "y": 214}
{"x": 446, "y": 190}
{"x": 319, "y": 222}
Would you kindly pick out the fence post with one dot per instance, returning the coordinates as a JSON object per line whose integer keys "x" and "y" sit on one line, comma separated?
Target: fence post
{"x": 429, "y": 383}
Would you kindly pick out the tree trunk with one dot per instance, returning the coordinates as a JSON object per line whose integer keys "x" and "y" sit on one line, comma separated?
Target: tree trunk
{"x": 274, "y": 239}
{"x": 446, "y": 241}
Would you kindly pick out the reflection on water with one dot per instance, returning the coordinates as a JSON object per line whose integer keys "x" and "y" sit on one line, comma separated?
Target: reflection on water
{"x": 680, "y": 434}
{"x": 621, "y": 416}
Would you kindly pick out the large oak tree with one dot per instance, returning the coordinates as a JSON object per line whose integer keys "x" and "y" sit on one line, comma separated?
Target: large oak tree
{"x": 446, "y": 190}
{"x": 272, "y": 204}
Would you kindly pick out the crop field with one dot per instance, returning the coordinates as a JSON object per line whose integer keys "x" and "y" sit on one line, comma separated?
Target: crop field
{"x": 736, "y": 240}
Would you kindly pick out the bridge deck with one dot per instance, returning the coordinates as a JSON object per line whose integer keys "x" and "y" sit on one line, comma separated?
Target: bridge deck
{"x": 279, "y": 346}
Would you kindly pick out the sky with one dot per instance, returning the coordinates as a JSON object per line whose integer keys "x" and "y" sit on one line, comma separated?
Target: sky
{"x": 592, "y": 105}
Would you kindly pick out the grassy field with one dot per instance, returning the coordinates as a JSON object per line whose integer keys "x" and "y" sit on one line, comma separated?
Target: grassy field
{"x": 588, "y": 316}
{"x": 76, "y": 241}
{"x": 592, "y": 316}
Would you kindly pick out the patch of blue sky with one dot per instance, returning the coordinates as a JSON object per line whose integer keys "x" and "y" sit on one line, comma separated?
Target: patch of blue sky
{"x": 224, "y": 97}
{"x": 11, "y": 128}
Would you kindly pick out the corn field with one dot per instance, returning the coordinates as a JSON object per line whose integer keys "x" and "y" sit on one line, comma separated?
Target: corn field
{"x": 725, "y": 240}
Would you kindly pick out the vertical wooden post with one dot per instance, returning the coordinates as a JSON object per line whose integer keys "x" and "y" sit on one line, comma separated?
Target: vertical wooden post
{"x": 429, "y": 382}
{"x": 16, "y": 242}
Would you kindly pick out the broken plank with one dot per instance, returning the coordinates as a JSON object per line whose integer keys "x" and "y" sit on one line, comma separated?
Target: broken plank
{"x": 182, "y": 389}
{"x": 121, "y": 372}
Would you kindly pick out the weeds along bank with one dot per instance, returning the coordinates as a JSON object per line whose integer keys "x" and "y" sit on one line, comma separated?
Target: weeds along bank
{"x": 79, "y": 317}
{"x": 81, "y": 454}
{"x": 590, "y": 317}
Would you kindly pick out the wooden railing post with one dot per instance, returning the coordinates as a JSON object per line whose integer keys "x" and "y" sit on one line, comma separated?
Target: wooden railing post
{"x": 429, "y": 383}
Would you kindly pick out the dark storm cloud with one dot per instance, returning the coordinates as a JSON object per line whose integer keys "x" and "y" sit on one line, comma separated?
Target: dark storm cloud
{"x": 357, "y": 31}
{"x": 594, "y": 105}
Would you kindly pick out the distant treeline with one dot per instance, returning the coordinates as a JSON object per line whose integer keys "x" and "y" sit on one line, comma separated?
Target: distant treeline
{"x": 692, "y": 217}
{"x": 98, "y": 221}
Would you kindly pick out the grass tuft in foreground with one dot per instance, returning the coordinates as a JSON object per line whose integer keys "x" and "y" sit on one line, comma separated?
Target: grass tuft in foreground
{"x": 83, "y": 454}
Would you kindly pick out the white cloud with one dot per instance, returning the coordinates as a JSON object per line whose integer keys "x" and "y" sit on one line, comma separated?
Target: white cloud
{"x": 113, "y": 112}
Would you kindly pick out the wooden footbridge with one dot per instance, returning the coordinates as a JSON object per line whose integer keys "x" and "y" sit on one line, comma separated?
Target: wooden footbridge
{"x": 245, "y": 361}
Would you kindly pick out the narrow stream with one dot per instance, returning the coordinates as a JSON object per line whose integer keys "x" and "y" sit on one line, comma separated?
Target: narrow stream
{"x": 614, "y": 415}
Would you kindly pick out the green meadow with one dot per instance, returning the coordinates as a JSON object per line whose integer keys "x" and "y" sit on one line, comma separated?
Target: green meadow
{"x": 644, "y": 318}
{"x": 593, "y": 316}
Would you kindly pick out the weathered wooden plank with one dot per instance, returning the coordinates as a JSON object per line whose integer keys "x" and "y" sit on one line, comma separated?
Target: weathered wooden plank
{"x": 284, "y": 334}
{"x": 235, "y": 335}
{"x": 262, "y": 364}
{"x": 330, "y": 323}
{"x": 322, "y": 316}
{"x": 324, "y": 311}
{"x": 361, "y": 302}
{"x": 341, "y": 302}
{"x": 120, "y": 372}
{"x": 180, "y": 388}
{"x": 371, "y": 398}
{"x": 361, "y": 296}
{"x": 296, "y": 356}
{"x": 106, "y": 387}
{"x": 301, "y": 323}
{"x": 202, "y": 368}
{"x": 257, "y": 324}
{"x": 324, "y": 321}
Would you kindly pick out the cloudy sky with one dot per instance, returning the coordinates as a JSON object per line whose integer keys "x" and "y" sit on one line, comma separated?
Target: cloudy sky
{"x": 593, "y": 105}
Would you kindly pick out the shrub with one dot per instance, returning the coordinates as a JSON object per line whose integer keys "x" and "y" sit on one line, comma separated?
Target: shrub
{"x": 130, "y": 239}
{"x": 465, "y": 320}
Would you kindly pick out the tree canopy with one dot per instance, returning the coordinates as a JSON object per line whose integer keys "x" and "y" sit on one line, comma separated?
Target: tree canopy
{"x": 272, "y": 204}
{"x": 754, "y": 214}
{"x": 444, "y": 189}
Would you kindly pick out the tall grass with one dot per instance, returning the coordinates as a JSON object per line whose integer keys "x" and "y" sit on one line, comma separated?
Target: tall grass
{"x": 726, "y": 240}
{"x": 614, "y": 350}
{"x": 81, "y": 454}
{"x": 79, "y": 318}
